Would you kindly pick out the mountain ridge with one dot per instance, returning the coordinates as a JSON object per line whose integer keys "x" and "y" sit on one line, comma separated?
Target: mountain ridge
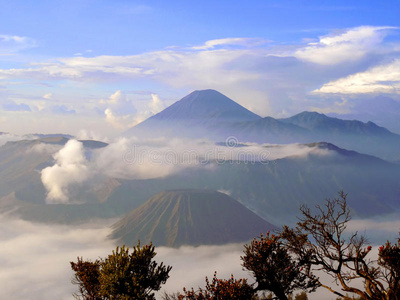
{"x": 322, "y": 122}
{"x": 211, "y": 115}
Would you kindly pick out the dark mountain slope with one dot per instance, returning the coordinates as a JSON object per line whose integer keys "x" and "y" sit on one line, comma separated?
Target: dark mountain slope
{"x": 190, "y": 217}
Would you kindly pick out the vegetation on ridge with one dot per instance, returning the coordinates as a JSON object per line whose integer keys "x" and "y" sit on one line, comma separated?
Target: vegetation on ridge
{"x": 122, "y": 275}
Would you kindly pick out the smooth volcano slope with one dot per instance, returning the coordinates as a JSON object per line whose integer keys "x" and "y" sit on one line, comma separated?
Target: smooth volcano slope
{"x": 194, "y": 116}
{"x": 189, "y": 217}
{"x": 206, "y": 104}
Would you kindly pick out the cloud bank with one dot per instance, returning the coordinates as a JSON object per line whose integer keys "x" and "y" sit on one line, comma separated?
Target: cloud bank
{"x": 35, "y": 259}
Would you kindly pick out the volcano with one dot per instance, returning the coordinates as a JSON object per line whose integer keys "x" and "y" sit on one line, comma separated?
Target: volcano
{"x": 190, "y": 217}
{"x": 194, "y": 116}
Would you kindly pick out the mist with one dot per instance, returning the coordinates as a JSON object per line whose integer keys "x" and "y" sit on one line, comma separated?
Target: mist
{"x": 35, "y": 258}
{"x": 131, "y": 159}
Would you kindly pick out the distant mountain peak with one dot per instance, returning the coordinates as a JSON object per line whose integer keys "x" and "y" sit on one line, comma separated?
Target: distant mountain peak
{"x": 309, "y": 113}
{"x": 307, "y": 117}
{"x": 194, "y": 115}
{"x": 321, "y": 122}
{"x": 206, "y": 104}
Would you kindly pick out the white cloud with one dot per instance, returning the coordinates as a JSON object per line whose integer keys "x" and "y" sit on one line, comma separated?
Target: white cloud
{"x": 48, "y": 96}
{"x": 379, "y": 79}
{"x": 391, "y": 224}
{"x": 131, "y": 159}
{"x": 39, "y": 256}
{"x": 120, "y": 121}
{"x": 10, "y": 44}
{"x": 35, "y": 258}
{"x": 179, "y": 68}
{"x": 71, "y": 167}
{"x": 190, "y": 265}
{"x": 117, "y": 97}
{"x": 120, "y": 112}
{"x": 245, "y": 42}
{"x": 350, "y": 45}
{"x": 156, "y": 104}
{"x": 43, "y": 148}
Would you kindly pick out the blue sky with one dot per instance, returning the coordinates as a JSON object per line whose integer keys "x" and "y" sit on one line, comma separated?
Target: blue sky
{"x": 96, "y": 68}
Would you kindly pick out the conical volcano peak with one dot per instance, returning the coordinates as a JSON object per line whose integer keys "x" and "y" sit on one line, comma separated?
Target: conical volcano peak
{"x": 190, "y": 217}
{"x": 198, "y": 114}
{"x": 209, "y": 97}
{"x": 206, "y": 105}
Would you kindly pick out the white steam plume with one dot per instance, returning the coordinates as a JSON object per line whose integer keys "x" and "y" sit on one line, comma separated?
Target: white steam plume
{"x": 71, "y": 167}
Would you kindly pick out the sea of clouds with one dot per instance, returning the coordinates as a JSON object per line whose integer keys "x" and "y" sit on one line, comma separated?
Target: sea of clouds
{"x": 35, "y": 258}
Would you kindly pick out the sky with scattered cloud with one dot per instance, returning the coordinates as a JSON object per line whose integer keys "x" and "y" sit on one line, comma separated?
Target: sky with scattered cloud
{"x": 104, "y": 66}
